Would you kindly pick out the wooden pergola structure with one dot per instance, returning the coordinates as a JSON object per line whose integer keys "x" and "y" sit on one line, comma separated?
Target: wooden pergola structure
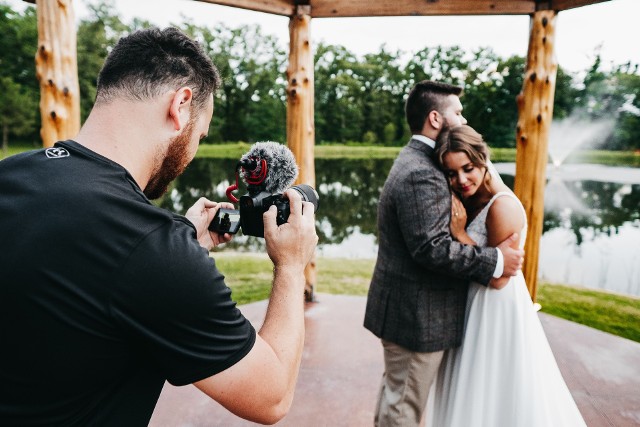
{"x": 57, "y": 72}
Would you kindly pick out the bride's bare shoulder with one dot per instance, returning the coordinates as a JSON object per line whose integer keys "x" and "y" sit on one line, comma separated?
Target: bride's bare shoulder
{"x": 505, "y": 217}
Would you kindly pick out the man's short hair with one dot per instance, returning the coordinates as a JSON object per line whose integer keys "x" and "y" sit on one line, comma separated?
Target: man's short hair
{"x": 425, "y": 97}
{"x": 148, "y": 62}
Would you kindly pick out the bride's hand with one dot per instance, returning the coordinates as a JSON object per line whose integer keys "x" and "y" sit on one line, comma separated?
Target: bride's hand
{"x": 459, "y": 221}
{"x": 458, "y": 216}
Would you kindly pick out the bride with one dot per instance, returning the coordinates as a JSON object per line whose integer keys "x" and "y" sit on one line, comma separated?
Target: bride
{"x": 504, "y": 373}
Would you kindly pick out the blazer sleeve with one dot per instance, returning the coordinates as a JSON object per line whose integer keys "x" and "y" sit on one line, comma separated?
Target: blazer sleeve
{"x": 424, "y": 212}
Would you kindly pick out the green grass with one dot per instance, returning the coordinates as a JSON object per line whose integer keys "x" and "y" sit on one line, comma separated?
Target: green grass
{"x": 613, "y": 313}
{"x": 249, "y": 276}
{"x": 336, "y": 151}
{"x": 15, "y": 149}
{"x": 609, "y": 158}
{"x": 236, "y": 150}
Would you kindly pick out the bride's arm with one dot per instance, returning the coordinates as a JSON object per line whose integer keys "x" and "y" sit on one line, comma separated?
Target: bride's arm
{"x": 503, "y": 219}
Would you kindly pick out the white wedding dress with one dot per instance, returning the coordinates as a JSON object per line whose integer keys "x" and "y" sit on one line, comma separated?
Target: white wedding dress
{"x": 504, "y": 373}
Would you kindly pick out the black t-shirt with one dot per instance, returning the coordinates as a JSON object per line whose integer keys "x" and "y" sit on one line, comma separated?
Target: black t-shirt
{"x": 103, "y": 296}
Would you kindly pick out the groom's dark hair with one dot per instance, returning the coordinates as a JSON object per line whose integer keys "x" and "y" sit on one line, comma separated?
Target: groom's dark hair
{"x": 425, "y": 97}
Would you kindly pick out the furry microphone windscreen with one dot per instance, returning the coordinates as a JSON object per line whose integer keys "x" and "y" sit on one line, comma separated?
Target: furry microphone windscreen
{"x": 282, "y": 169}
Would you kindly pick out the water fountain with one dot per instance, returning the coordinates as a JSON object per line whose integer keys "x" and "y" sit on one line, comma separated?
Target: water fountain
{"x": 571, "y": 133}
{"x": 597, "y": 259}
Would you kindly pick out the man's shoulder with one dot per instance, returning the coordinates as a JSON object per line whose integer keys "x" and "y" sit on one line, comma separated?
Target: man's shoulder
{"x": 414, "y": 159}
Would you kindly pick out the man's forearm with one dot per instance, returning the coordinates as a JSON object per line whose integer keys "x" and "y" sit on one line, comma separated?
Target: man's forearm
{"x": 270, "y": 370}
{"x": 283, "y": 327}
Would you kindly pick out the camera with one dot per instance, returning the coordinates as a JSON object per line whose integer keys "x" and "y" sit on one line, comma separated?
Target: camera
{"x": 268, "y": 169}
{"x": 253, "y": 206}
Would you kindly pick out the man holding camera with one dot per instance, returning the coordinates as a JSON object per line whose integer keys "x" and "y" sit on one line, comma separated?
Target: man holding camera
{"x": 105, "y": 296}
{"x": 418, "y": 293}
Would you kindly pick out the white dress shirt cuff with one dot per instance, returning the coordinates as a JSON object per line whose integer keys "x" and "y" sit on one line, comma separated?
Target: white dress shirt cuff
{"x": 499, "y": 265}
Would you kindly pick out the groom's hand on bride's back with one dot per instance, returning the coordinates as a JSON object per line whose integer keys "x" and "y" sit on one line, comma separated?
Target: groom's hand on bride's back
{"x": 513, "y": 255}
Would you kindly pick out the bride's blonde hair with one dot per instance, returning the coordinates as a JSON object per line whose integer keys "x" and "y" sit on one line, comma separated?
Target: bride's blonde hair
{"x": 463, "y": 139}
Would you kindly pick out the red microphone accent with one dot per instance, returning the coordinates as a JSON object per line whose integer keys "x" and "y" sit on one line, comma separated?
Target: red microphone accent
{"x": 231, "y": 197}
{"x": 256, "y": 179}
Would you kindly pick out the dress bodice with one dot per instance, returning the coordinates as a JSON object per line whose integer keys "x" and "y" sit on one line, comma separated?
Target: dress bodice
{"x": 477, "y": 228}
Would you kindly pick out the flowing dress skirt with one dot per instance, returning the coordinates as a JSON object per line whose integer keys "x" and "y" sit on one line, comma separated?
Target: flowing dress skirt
{"x": 504, "y": 374}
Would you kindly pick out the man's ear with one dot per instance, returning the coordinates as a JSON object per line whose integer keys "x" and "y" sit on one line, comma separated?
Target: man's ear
{"x": 180, "y": 108}
{"x": 434, "y": 119}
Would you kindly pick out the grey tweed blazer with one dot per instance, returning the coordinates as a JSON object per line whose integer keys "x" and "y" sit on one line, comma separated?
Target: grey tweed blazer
{"x": 418, "y": 292}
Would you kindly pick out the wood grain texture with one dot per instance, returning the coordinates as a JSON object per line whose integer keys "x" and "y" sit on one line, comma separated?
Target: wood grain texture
{"x": 57, "y": 71}
{"x": 353, "y": 8}
{"x": 300, "y": 110}
{"x": 535, "y": 113}
{"x": 276, "y": 7}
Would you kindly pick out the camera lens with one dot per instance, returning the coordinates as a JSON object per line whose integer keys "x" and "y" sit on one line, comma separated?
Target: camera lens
{"x": 308, "y": 194}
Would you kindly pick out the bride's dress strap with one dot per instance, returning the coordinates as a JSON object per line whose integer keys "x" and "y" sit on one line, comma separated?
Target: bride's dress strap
{"x": 502, "y": 193}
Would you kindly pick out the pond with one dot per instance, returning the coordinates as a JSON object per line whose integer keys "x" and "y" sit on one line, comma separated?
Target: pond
{"x": 591, "y": 230}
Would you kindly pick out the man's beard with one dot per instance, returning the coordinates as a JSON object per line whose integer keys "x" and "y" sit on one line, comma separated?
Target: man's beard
{"x": 174, "y": 163}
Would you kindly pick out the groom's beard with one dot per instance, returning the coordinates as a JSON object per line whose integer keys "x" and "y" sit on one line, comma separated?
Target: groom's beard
{"x": 174, "y": 163}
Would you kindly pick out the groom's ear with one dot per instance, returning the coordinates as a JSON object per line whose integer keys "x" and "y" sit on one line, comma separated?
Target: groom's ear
{"x": 435, "y": 119}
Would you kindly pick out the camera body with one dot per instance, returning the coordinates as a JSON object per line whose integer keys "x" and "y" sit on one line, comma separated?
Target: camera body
{"x": 253, "y": 205}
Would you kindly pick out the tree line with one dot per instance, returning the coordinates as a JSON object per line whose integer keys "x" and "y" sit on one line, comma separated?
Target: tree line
{"x": 358, "y": 100}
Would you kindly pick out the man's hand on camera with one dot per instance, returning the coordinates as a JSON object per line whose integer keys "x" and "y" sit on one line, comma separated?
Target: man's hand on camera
{"x": 201, "y": 214}
{"x": 292, "y": 244}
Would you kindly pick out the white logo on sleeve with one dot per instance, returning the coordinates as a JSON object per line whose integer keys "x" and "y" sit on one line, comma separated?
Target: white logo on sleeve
{"x": 56, "y": 152}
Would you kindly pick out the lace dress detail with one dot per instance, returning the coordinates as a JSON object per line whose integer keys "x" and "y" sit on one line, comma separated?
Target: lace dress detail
{"x": 504, "y": 373}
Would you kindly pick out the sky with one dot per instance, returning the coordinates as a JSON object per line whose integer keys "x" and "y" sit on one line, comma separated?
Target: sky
{"x": 580, "y": 33}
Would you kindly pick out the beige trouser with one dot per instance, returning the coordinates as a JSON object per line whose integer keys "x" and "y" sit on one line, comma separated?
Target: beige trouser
{"x": 405, "y": 385}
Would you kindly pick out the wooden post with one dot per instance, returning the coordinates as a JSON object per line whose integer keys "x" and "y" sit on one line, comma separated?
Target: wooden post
{"x": 535, "y": 112}
{"x": 300, "y": 109}
{"x": 57, "y": 71}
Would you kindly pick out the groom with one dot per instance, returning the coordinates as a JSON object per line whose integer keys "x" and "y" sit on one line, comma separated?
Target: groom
{"x": 418, "y": 293}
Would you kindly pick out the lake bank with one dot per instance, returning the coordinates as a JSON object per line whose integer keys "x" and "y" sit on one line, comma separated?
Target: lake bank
{"x": 336, "y": 151}
{"x": 333, "y": 151}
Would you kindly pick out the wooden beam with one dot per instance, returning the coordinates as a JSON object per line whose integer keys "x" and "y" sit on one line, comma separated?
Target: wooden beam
{"x": 356, "y": 8}
{"x": 276, "y": 7}
{"x": 57, "y": 71}
{"x": 353, "y": 8}
{"x": 535, "y": 113}
{"x": 560, "y": 5}
{"x": 300, "y": 106}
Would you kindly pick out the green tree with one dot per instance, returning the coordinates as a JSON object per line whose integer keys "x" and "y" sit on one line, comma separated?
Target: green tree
{"x": 567, "y": 94}
{"x": 17, "y": 111}
{"x": 613, "y": 95}
{"x": 382, "y": 92}
{"x": 19, "y": 89}
{"x": 626, "y": 132}
{"x": 489, "y": 95}
{"x": 251, "y": 105}
{"x": 338, "y": 110}
{"x": 439, "y": 63}
{"x": 96, "y": 35}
